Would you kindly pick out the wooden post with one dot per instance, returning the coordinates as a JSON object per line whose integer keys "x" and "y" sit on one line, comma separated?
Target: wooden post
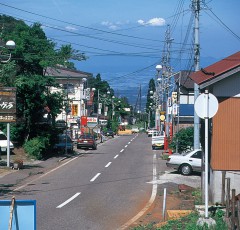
{"x": 233, "y": 218}
{"x": 238, "y": 214}
{"x": 11, "y": 214}
{"x": 228, "y": 197}
{"x": 223, "y": 187}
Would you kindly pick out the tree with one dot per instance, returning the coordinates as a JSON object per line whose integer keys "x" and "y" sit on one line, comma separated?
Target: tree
{"x": 150, "y": 101}
{"x": 33, "y": 53}
{"x": 184, "y": 138}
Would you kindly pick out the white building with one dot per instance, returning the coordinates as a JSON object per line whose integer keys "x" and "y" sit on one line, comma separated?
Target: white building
{"x": 76, "y": 84}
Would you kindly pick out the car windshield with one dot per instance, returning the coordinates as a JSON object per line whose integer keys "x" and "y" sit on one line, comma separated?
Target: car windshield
{"x": 186, "y": 153}
{"x": 3, "y": 137}
{"x": 86, "y": 136}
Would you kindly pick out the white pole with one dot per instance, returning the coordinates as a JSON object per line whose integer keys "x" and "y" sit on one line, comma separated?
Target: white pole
{"x": 164, "y": 203}
{"x": 206, "y": 151}
{"x": 8, "y": 144}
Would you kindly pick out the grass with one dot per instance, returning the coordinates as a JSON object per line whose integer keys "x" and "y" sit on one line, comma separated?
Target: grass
{"x": 188, "y": 223}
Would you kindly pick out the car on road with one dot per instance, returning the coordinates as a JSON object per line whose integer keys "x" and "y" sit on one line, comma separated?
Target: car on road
{"x": 135, "y": 130}
{"x": 108, "y": 133}
{"x": 62, "y": 143}
{"x": 186, "y": 163}
{"x": 151, "y": 131}
{"x": 3, "y": 142}
{"x": 86, "y": 141}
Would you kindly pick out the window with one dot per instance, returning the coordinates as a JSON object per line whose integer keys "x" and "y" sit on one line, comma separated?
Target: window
{"x": 197, "y": 155}
{"x": 69, "y": 88}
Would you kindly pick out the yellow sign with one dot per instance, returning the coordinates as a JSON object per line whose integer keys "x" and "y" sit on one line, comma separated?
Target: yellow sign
{"x": 74, "y": 110}
{"x": 162, "y": 117}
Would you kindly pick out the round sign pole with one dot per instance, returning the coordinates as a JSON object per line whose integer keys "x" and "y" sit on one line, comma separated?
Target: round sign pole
{"x": 210, "y": 104}
{"x": 206, "y": 151}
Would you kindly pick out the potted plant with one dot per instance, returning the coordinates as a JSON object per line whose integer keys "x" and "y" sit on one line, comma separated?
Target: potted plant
{"x": 18, "y": 164}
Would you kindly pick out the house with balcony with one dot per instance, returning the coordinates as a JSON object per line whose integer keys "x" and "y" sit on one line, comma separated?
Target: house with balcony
{"x": 222, "y": 79}
{"x": 75, "y": 84}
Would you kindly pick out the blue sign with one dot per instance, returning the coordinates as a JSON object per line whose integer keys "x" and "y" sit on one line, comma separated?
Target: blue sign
{"x": 23, "y": 214}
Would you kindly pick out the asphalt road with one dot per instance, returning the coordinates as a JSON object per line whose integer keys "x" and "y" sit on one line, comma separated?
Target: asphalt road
{"x": 101, "y": 189}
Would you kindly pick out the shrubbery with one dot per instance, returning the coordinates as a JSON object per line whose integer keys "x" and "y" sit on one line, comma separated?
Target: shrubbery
{"x": 36, "y": 147}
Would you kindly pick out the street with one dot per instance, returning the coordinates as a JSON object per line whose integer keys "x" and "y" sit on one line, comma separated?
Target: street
{"x": 101, "y": 189}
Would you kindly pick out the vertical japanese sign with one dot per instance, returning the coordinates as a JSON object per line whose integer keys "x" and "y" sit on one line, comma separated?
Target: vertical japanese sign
{"x": 7, "y": 104}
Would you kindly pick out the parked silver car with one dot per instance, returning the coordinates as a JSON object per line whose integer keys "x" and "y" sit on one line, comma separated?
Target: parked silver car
{"x": 186, "y": 163}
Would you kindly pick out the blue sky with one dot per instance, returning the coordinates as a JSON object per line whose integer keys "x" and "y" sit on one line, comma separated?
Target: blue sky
{"x": 124, "y": 40}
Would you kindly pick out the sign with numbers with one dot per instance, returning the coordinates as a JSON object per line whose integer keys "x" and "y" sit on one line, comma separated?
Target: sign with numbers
{"x": 7, "y": 104}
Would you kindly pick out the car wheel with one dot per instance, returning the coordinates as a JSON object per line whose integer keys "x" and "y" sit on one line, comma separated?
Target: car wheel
{"x": 185, "y": 169}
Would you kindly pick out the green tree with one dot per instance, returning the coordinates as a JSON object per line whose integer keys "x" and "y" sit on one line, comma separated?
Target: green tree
{"x": 184, "y": 138}
{"x": 34, "y": 52}
{"x": 150, "y": 102}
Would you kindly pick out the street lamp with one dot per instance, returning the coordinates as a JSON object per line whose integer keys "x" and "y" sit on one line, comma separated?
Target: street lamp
{"x": 10, "y": 45}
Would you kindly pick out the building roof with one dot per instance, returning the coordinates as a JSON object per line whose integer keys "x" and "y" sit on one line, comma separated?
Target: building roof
{"x": 210, "y": 74}
{"x": 184, "y": 78}
{"x": 65, "y": 72}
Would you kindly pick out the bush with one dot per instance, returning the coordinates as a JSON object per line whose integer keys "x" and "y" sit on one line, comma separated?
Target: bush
{"x": 36, "y": 147}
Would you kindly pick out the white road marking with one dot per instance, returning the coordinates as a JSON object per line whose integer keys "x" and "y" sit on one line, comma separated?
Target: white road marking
{"x": 129, "y": 143}
{"x": 126, "y": 146}
{"x": 95, "y": 177}
{"x": 150, "y": 202}
{"x": 121, "y": 150}
{"x": 69, "y": 200}
{"x": 116, "y": 156}
{"x": 18, "y": 188}
{"x": 108, "y": 164}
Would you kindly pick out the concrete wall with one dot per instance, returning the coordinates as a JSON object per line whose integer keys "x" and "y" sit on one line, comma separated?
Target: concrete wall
{"x": 215, "y": 184}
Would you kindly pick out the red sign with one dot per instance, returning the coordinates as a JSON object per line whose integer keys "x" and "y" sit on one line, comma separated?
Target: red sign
{"x": 83, "y": 120}
{"x": 90, "y": 101}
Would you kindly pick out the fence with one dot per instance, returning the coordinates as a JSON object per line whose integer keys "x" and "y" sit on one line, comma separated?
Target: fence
{"x": 232, "y": 207}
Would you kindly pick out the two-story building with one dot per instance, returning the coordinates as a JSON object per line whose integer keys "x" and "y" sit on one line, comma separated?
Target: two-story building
{"x": 222, "y": 79}
{"x": 75, "y": 84}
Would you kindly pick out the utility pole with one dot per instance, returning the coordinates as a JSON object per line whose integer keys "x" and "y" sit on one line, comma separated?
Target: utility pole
{"x": 166, "y": 63}
{"x": 196, "y": 9}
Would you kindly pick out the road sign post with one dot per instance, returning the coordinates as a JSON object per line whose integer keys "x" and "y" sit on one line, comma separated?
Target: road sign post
{"x": 206, "y": 106}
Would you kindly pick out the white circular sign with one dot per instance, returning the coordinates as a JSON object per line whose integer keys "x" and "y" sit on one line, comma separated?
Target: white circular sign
{"x": 206, "y": 105}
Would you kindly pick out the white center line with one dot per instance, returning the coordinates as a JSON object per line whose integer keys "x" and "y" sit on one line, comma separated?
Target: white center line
{"x": 69, "y": 200}
{"x": 121, "y": 150}
{"x": 95, "y": 177}
{"x": 126, "y": 146}
{"x": 116, "y": 156}
{"x": 129, "y": 142}
{"x": 108, "y": 164}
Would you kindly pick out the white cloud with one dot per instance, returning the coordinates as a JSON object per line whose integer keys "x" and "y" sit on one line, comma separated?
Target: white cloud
{"x": 110, "y": 25}
{"x": 152, "y": 22}
{"x": 114, "y": 25}
{"x": 71, "y": 28}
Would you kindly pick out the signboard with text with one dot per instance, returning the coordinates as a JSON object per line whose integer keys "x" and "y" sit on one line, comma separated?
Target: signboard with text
{"x": 7, "y": 104}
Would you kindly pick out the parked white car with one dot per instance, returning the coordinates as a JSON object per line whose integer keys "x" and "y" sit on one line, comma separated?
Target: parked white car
{"x": 186, "y": 163}
{"x": 3, "y": 142}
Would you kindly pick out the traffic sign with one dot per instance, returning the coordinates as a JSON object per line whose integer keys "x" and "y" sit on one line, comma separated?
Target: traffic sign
{"x": 206, "y": 105}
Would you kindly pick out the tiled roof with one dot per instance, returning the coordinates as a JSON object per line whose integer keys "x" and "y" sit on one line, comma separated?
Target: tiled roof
{"x": 65, "y": 72}
{"x": 185, "y": 80}
{"x": 216, "y": 69}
